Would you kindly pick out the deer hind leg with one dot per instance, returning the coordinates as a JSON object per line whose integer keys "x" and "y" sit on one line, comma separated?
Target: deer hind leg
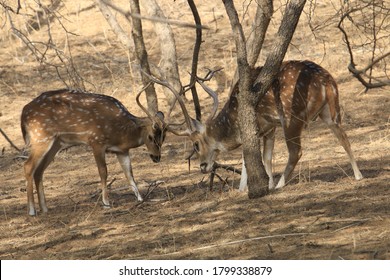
{"x": 38, "y": 176}
{"x": 244, "y": 177}
{"x": 41, "y": 155}
{"x": 293, "y": 141}
{"x": 269, "y": 140}
{"x": 124, "y": 160}
{"x": 343, "y": 139}
{"x": 100, "y": 158}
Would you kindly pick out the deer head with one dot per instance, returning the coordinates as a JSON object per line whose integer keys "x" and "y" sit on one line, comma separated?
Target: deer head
{"x": 204, "y": 135}
{"x": 154, "y": 132}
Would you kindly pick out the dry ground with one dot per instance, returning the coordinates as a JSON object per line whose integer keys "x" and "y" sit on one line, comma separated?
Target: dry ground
{"x": 323, "y": 214}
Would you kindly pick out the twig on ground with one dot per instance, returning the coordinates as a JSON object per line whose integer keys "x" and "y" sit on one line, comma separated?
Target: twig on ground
{"x": 152, "y": 187}
{"x": 214, "y": 173}
{"x": 356, "y": 223}
{"x": 9, "y": 141}
{"x": 252, "y": 239}
{"x": 93, "y": 210}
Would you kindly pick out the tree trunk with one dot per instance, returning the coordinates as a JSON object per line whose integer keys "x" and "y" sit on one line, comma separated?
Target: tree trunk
{"x": 168, "y": 63}
{"x": 142, "y": 56}
{"x": 251, "y": 91}
{"x": 118, "y": 30}
{"x": 281, "y": 42}
{"x": 137, "y": 44}
{"x": 254, "y": 44}
{"x": 258, "y": 31}
{"x": 195, "y": 58}
{"x": 257, "y": 177}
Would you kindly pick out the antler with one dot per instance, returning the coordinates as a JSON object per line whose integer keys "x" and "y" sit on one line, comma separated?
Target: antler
{"x": 139, "y": 103}
{"x": 179, "y": 99}
{"x": 212, "y": 93}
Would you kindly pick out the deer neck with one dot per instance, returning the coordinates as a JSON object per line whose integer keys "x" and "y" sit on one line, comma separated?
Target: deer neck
{"x": 224, "y": 128}
{"x": 132, "y": 133}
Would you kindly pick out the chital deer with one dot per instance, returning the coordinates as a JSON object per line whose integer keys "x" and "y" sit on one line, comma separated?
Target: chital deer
{"x": 62, "y": 118}
{"x": 305, "y": 91}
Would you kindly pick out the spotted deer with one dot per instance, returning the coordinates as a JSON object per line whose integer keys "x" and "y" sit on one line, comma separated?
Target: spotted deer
{"x": 59, "y": 119}
{"x": 305, "y": 91}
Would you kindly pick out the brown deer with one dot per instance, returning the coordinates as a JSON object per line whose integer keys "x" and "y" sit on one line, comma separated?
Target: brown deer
{"x": 59, "y": 119}
{"x": 304, "y": 90}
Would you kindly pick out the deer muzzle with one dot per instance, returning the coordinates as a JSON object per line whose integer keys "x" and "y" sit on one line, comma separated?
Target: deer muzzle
{"x": 155, "y": 158}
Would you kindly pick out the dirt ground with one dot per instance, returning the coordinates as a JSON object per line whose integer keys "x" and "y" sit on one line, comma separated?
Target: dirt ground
{"x": 322, "y": 214}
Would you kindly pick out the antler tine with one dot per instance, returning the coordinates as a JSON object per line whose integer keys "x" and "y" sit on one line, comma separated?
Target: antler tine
{"x": 177, "y": 95}
{"x": 139, "y": 103}
{"x": 214, "y": 95}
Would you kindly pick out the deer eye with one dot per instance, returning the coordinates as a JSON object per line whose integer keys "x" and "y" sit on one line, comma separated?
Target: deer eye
{"x": 150, "y": 137}
{"x": 196, "y": 147}
{"x": 156, "y": 126}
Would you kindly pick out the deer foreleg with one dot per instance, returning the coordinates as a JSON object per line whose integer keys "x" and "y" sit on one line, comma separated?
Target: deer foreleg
{"x": 124, "y": 160}
{"x": 269, "y": 140}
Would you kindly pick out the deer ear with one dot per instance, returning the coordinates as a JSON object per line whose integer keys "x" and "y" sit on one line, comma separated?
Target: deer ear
{"x": 160, "y": 115}
{"x": 198, "y": 126}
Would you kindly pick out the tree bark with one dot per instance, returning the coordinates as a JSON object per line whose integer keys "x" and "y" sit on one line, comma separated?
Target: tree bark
{"x": 142, "y": 57}
{"x": 137, "y": 44}
{"x": 254, "y": 44}
{"x": 195, "y": 58}
{"x": 115, "y": 26}
{"x": 168, "y": 63}
{"x": 257, "y": 34}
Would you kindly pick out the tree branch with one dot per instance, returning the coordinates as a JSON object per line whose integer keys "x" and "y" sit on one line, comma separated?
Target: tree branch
{"x": 195, "y": 58}
{"x": 9, "y": 141}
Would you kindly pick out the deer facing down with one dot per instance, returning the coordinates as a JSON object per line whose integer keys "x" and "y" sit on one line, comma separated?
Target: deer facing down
{"x": 63, "y": 118}
{"x": 305, "y": 91}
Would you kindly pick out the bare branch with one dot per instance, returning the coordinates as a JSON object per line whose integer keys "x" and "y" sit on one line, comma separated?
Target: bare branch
{"x": 48, "y": 53}
{"x": 9, "y": 141}
{"x": 195, "y": 58}
{"x": 129, "y": 14}
{"x": 366, "y": 37}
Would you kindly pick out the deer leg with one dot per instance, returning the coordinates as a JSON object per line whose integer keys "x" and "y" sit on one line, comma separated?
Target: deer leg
{"x": 269, "y": 140}
{"x": 37, "y": 155}
{"x": 124, "y": 160}
{"x": 343, "y": 139}
{"x": 244, "y": 177}
{"x": 294, "y": 154}
{"x": 100, "y": 158}
{"x": 38, "y": 175}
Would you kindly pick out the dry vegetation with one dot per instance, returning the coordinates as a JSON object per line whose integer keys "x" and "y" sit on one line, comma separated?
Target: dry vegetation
{"x": 323, "y": 214}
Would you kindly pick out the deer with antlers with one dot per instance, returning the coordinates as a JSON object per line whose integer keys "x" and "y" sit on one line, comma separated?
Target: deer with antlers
{"x": 301, "y": 92}
{"x": 59, "y": 119}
